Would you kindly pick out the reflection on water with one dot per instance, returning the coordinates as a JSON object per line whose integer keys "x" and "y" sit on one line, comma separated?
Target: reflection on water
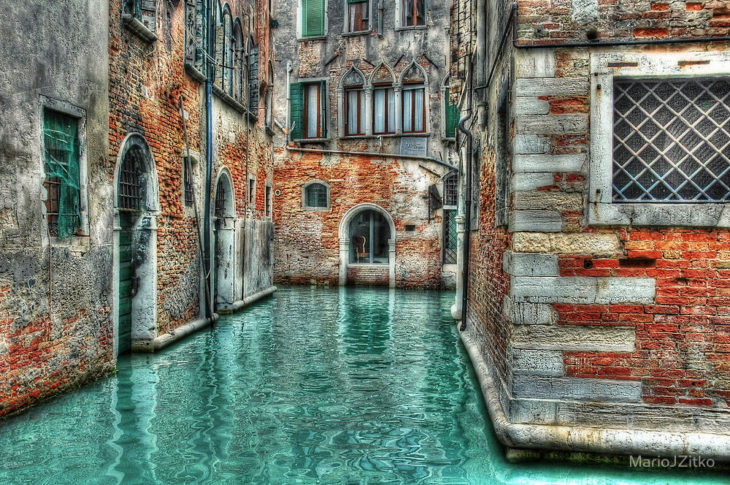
{"x": 329, "y": 386}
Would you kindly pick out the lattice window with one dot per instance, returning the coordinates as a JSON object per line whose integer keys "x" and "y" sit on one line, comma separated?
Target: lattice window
{"x": 451, "y": 190}
{"x": 671, "y": 140}
{"x": 450, "y": 236}
{"x": 189, "y": 190}
{"x": 130, "y": 180}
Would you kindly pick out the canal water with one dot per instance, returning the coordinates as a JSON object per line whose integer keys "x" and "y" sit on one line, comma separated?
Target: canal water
{"x": 311, "y": 386}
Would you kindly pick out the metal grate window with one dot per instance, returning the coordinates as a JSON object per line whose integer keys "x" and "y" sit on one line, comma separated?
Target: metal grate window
{"x": 220, "y": 199}
{"x": 451, "y": 190}
{"x": 188, "y": 182}
{"x": 130, "y": 180}
{"x": 450, "y": 237}
{"x": 671, "y": 140}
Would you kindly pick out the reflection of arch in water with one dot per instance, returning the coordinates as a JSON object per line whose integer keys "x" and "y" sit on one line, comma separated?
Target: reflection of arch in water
{"x": 136, "y": 205}
{"x": 348, "y": 252}
{"x": 225, "y": 236}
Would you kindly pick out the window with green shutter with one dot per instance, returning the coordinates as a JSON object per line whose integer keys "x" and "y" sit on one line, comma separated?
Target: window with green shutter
{"x": 313, "y": 16}
{"x": 61, "y": 153}
{"x": 452, "y": 115}
{"x": 296, "y": 111}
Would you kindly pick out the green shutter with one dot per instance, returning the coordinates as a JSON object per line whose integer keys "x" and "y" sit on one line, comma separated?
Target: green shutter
{"x": 312, "y": 18}
{"x": 60, "y": 137}
{"x": 323, "y": 106}
{"x": 296, "y": 110}
{"x": 356, "y": 1}
{"x": 452, "y": 116}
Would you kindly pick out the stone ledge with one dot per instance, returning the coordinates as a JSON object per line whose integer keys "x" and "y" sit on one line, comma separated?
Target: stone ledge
{"x": 615, "y": 440}
{"x": 583, "y": 289}
{"x": 574, "y": 338}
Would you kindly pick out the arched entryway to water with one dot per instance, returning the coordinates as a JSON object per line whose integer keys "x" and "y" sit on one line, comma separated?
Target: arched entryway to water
{"x": 136, "y": 205}
{"x": 225, "y": 237}
{"x": 367, "y": 246}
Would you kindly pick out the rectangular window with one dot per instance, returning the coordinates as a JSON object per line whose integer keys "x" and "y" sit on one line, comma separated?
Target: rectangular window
{"x": 251, "y": 194}
{"x": 502, "y": 165}
{"x": 313, "y": 110}
{"x": 383, "y": 111}
{"x": 414, "y": 12}
{"x": 671, "y": 140}
{"x": 62, "y": 182}
{"x": 313, "y": 16}
{"x": 268, "y": 201}
{"x": 253, "y": 81}
{"x": 358, "y": 13}
{"x": 355, "y": 121}
{"x": 414, "y": 110}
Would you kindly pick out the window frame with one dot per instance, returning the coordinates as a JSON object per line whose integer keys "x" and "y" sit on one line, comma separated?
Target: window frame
{"x": 386, "y": 87}
{"x": 368, "y": 8}
{"x": 308, "y": 207}
{"x": 70, "y": 110}
{"x": 401, "y": 23}
{"x": 361, "y": 110}
{"x": 413, "y": 87}
{"x": 301, "y": 20}
{"x": 321, "y": 111}
{"x": 601, "y": 209}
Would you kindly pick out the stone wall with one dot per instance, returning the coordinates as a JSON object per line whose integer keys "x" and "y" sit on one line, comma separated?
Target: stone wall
{"x": 56, "y": 327}
{"x": 308, "y": 242}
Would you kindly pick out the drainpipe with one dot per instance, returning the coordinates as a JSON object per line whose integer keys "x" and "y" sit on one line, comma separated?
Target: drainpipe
{"x": 208, "y": 154}
{"x": 467, "y": 198}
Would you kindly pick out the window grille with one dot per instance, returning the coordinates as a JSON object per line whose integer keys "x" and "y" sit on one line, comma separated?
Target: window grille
{"x": 450, "y": 236}
{"x": 220, "y": 199}
{"x": 671, "y": 140}
{"x": 130, "y": 180}
{"x": 62, "y": 182}
{"x": 451, "y": 190}
{"x": 316, "y": 195}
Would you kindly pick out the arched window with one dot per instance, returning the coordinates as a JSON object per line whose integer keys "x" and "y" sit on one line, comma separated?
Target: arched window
{"x": 219, "y": 44}
{"x": 131, "y": 194}
{"x": 227, "y": 66}
{"x": 353, "y": 83}
{"x": 369, "y": 238}
{"x": 414, "y": 99}
{"x": 316, "y": 196}
{"x": 253, "y": 77}
{"x": 237, "y": 84}
{"x": 383, "y": 101}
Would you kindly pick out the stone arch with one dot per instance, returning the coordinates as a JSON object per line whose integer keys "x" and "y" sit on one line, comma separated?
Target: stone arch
{"x": 344, "y": 238}
{"x": 224, "y": 212}
{"x": 136, "y": 205}
{"x": 379, "y": 74}
{"x": 414, "y": 73}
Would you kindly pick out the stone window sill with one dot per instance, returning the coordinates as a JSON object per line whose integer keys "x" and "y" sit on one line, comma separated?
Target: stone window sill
{"x": 194, "y": 73}
{"x": 315, "y": 38}
{"x": 230, "y": 101}
{"x": 303, "y": 141}
{"x": 368, "y": 265}
{"x": 357, "y": 34}
{"x": 412, "y": 27}
{"x": 138, "y": 28}
{"x": 317, "y": 209}
{"x": 661, "y": 215}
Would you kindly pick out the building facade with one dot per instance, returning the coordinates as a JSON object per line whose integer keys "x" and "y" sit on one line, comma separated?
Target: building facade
{"x": 135, "y": 202}
{"x": 365, "y": 186}
{"x": 597, "y": 175}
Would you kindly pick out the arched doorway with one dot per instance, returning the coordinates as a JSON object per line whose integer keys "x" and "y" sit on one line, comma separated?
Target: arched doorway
{"x": 225, "y": 231}
{"x": 367, "y": 246}
{"x": 135, "y": 262}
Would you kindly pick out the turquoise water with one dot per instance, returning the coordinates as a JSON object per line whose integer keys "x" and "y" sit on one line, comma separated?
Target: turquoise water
{"x": 311, "y": 386}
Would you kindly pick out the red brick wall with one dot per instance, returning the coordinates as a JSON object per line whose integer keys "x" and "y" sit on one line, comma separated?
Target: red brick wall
{"x": 559, "y": 21}
{"x": 307, "y": 242}
{"x": 683, "y": 341}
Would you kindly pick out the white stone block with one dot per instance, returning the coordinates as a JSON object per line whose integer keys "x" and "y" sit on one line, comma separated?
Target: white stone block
{"x": 538, "y": 362}
{"x": 552, "y": 86}
{"x": 522, "y": 313}
{"x": 574, "y": 338}
{"x": 541, "y": 163}
{"x": 531, "y": 106}
{"x": 536, "y": 221}
{"x": 558, "y": 124}
{"x": 530, "y": 144}
{"x": 530, "y": 264}
{"x": 577, "y": 389}
{"x": 583, "y": 290}
{"x": 530, "y": 181}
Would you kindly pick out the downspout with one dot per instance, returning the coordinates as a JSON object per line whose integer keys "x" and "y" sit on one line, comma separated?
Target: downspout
{"x": 467, "y": 197}
{"x": 208, "y": 154}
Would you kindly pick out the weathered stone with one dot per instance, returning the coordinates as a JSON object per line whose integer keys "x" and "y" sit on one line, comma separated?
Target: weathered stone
{"x": 525, "y": 313}
{"x": 552, "y": 124}
{"x": 576, "y": 389}
{"x": 531, "y": 264}
{"x": 551, "y": 86}
{"x": 581, "y": 243}
{"x": 531, "y": 181}
{"x": 583, "y": 290}
{"x": 538, "y": 362}
{"x": 573, "y": 338}
{"x": 530, "y": 144}
{"x": 536, "y": 220}
{"x": 548, "y": 201}
{"x": 531, "y": 106}
{"x": 548, "y": 163}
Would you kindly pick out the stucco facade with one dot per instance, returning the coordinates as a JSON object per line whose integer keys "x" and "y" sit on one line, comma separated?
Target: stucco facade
{"x": 597, "y": 316}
